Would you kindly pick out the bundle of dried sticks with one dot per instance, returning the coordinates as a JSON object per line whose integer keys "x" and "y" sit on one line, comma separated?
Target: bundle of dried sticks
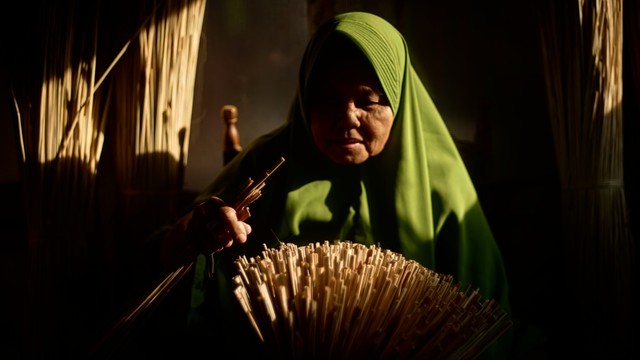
{"x": 348, "y": 300}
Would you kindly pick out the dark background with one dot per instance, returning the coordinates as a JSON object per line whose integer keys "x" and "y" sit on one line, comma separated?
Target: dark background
{"x": 480, "y": 61}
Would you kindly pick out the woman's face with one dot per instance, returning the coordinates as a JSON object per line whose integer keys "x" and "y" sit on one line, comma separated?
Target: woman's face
{"x": 349, "y": 115}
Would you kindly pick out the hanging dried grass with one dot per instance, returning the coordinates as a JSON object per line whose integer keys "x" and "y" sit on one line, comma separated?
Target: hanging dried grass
{"x": 61, "y": 138}
{"x": 62, "y": 135}
{"x": 61, "y": 124}
{"x": 582, "y": 49}
{"x": 155, "y": 89}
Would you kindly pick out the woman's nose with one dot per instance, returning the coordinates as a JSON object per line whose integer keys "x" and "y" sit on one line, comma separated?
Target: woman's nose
{"x": 349, "y": 115}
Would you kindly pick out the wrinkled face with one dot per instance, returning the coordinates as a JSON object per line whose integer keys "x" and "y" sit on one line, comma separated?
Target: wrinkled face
{"x": 349, "y": 115}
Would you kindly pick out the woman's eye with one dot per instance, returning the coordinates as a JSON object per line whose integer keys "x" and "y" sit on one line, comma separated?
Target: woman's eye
{"x": 371, "y": 101}
{"x": 365, "y": 103}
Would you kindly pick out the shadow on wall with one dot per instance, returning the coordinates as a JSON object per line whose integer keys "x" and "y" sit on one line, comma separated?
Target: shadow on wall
{"x": 250, "y": 58}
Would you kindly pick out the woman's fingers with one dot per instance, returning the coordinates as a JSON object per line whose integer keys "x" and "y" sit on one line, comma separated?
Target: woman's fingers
{"x": 236, "y": 229}
{"x": 222, "y": 224}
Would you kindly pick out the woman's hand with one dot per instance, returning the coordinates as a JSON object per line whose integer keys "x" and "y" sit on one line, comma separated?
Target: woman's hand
{"x": 215, "y": 225}
{"x": 209, "y": 227}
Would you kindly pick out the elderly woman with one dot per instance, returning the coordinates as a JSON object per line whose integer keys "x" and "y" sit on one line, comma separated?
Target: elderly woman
{"x": 368, "y": 159}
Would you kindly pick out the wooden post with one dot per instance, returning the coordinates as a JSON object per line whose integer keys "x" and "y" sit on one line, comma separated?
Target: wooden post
{"x": 231, "y": 136}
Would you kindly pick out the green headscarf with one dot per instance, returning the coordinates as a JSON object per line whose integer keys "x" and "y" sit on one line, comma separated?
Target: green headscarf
{"x": 415, "y": 198}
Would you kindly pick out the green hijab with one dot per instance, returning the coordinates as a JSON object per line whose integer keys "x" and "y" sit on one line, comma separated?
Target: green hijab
{"x": 415, "y": 198}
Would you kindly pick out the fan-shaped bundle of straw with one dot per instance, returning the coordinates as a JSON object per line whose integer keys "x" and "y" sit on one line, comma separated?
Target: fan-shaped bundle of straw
{"x": 349, "y": 300}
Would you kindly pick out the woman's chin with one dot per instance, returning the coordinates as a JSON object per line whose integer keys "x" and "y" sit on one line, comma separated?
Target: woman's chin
{"x": 348, "y": 157}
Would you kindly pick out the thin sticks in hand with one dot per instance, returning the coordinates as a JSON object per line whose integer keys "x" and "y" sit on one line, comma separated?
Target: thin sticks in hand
{"x": 252, "y": 191}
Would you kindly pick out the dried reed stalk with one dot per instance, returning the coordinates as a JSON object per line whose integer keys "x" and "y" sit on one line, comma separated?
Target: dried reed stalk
{"x": 582, "y": 49}
{"x": 345, "y": 300}
{"x": 155, "y": 88}
{"x": 61, "y": 141}
{"x": 61, "y": 123}
{"x": 61, "y": 138}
